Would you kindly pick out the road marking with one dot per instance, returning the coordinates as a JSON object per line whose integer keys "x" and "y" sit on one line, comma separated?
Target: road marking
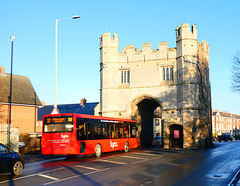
{"x": 155, "y": 151}
{"x": 121, "y": 163}
{"x": 139, "y": 161}
{"x": 64, "y": 179}
{"x": 134, "y": 157}
{"x": 49, "y": 177}
{"x": 147, "y": 154}
{"x": 86, "y": 167}
{"x": 234, "y": 180}
{"x": 144, "y": 160}
{"x": 31, "y": 175}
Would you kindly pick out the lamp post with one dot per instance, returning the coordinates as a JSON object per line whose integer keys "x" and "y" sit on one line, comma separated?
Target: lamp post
{"x": 56, "y": 39}
{"x": 10, "y": 97}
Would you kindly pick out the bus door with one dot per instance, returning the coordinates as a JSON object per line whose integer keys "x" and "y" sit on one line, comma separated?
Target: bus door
{"x": 82, "y": 135}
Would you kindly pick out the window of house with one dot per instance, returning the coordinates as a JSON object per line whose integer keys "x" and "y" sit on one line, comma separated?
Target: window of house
{"x": 125, "y": 76}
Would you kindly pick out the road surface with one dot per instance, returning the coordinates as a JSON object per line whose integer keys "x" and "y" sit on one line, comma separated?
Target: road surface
{"x": 153, "y": 166}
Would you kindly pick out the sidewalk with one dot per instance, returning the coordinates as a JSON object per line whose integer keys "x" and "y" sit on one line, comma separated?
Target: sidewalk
{"x": 38, "y": 157}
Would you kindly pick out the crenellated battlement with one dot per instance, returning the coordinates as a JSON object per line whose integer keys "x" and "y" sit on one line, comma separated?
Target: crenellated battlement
{"x": 147, "y": 52}
{"x": 107, "y": 41}
{"x": 185, "y": 32}
{"x": 109, "y": 47}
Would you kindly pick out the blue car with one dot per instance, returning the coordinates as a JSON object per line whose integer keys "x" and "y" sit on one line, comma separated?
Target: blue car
{"x": 10, "y": 161}
{"x": 157, "y": 141}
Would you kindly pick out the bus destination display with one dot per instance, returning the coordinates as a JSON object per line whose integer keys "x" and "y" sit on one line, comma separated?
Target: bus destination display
{"x": 58, "y": 120}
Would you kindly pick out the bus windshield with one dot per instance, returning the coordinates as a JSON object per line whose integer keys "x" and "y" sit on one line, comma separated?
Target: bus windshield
{"x": 58, "y": 124}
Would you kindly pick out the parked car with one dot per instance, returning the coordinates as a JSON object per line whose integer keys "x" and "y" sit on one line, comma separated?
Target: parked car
{"x": 225, "y": 137}
{"x": 10, "y": 161}
{"x": 157, "y": 141}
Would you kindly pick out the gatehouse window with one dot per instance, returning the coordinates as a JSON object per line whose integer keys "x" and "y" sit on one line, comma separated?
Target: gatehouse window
{"x": 125, "y": 76}
{"x": 167, "y": 73}
{"x": 171, "y": 74}
{"x": 164, "y": 75}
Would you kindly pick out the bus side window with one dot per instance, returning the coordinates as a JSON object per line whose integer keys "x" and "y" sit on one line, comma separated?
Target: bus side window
{"x": 129, "y": 131}
{"x": 134, "y": 131}
{"x": 126, "y": 131}
{"x": 81, "y": 131}
{"x": 117, "y": 131}
{"x": 109, "y": 130}
{"x": 90, "y": 131}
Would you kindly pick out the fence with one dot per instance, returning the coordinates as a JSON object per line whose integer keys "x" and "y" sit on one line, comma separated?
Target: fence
{"x": 13, "y": 134}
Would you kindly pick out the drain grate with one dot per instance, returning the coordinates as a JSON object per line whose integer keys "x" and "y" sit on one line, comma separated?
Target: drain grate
{"x": 216, "y": 175}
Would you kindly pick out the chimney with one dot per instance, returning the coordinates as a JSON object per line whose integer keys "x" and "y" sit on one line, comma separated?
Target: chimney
{"x": 2, "y": 70}
{"x": 43, "y": 103}
{"x": 83, "y": 101}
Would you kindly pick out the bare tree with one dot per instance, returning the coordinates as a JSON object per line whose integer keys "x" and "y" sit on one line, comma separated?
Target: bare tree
{"x": 236, "y": 72}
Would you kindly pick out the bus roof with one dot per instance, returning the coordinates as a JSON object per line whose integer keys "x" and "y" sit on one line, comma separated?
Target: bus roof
{"x": 91, "y": 117}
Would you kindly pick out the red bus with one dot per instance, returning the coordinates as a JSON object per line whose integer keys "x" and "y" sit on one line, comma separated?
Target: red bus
{"x": 79, "y": 134}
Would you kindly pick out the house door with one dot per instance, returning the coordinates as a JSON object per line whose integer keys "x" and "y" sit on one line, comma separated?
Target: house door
{"x": 176, "y": 136}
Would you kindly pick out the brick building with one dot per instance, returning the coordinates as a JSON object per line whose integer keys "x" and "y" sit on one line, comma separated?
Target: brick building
{"x": 24, "y": 102}
{"x": 134, "y": 83}
{"x": 224, "y": 122}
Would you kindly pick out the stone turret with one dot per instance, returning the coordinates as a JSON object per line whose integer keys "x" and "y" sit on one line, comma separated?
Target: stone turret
{"x": 186, "y": 39}
{"x": 109, "y": 47}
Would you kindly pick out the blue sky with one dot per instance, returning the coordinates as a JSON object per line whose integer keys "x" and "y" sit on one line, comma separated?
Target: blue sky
{"x": 136, "y": 22}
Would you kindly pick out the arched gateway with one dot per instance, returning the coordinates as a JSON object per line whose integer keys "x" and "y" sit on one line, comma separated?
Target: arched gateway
{"x": 142, "y": 109}
{"x": 133, "y": 83}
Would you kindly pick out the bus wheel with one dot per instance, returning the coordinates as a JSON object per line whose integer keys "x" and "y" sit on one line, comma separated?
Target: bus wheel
{"x": 126, "y": 147}
{"x": 98, "y": 150}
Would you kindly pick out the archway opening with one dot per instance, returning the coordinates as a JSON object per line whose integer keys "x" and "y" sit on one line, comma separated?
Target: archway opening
{"x": 146, "y": 109}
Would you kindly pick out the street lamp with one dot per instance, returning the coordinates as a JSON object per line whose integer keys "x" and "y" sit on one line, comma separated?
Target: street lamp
{"x": 10, "y": 97}
{"x": 74, "y": 17}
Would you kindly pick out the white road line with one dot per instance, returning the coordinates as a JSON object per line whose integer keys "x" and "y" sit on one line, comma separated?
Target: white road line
{"x": 147, "y": 154}
{"x": 234, "y": 178}
{"x": 32, "y": 175}
{"x": 121, "y": 163}
{"x": 144, "y": 160}
{"x": 134, "y": 157}
{"x": 86, "y": 167}
{"x": 76, "y": 176}
{"x": 158, "y": 152}
{"x": 139, "y": 161}
{"x": 49, "y": 177}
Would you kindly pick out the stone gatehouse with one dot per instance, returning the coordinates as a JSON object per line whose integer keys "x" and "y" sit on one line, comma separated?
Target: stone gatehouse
{"x": 172, "y": 82}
